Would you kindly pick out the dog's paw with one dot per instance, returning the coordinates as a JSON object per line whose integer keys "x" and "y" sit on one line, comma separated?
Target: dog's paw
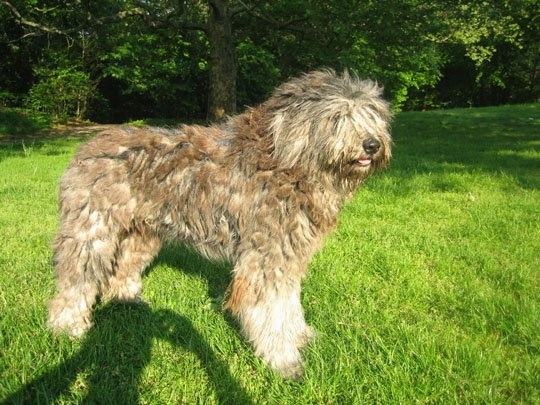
{"x": 68, "y": 320}
{"x": 74, "y": 329}
{"x": 287, "y": 361}
{"x": 291, "y": 371}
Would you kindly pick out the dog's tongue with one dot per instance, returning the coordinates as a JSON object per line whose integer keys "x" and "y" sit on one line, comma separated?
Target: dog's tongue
{"x": 364, "y": 161}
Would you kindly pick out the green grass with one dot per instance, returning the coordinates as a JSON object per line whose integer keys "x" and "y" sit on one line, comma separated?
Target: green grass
{"x": 428, "y": 292}
{"x": 17, "y": 122}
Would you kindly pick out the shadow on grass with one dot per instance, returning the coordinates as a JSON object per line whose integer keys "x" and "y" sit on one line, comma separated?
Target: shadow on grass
{"x": 217, "y": 274}
{"x": 115, "y": 352}
{"x": 491, "y": 140}
{"x": 186, "y": 260}
{"x": 19, "y": 123}
{"x": 32, "y": 149}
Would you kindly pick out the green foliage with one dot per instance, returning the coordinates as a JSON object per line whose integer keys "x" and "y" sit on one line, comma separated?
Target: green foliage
{"x": 62, "y": 93}
{"x": 258, "y": 74}
{"x": 479, "y": 26}
{"x": 383, "y": 47}
{"x": 7, "y": 98}
{"x": 157, "y": 69}
{"x": 134, "y": 60}
{"x": 147, "y": 63}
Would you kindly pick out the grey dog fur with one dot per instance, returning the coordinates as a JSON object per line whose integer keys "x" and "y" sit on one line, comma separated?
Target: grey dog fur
{"x": 261, "y": 190}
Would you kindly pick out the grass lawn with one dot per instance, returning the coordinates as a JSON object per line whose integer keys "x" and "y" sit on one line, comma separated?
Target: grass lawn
{"x": 16, "y": 122}
{"x": 428, "y": 292}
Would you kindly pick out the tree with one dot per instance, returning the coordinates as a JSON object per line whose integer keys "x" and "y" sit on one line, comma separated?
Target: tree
{"x": 61, "y": 93}
{"x": 383, "y": 40}
{"x": 173, "y": 59}
{"x": 222, "y": 83}
{"x": 63, "y": 20}
{"x": 474, "y": 37}
{"x": 214, "y": 18}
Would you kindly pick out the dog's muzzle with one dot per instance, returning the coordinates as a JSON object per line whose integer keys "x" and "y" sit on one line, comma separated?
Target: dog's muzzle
{"x": 371, "y": 146}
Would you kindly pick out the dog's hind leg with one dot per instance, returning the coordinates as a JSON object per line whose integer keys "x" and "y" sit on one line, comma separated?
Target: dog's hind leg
{"x": 134, "y": 254}
{"x": 81, "y": 266}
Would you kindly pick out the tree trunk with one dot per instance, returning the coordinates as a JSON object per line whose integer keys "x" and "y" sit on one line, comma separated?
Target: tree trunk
{"x": 222, "y": 79}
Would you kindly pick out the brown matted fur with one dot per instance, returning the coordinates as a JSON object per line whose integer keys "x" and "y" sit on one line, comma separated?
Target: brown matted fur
{"x": 261, "y": 190}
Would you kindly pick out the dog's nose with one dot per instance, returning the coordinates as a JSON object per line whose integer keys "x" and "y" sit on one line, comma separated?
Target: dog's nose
{"x": 371, "y": 146}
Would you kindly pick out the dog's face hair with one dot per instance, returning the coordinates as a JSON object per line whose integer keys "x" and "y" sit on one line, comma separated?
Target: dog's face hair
{"x": 333, "y": 124}
{"x": 341, "y": 122}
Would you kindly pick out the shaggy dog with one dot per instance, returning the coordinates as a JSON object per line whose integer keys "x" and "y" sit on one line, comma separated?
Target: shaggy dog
{"x": 261, "y": 190}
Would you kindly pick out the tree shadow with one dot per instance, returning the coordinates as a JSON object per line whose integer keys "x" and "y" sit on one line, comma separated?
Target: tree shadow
{"x": 115, "y": 352}
{"x": 21, "y": 124}
{"x": 493, "y": 141}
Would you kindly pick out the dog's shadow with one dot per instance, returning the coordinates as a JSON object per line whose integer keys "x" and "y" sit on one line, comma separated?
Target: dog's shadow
{"x": 186, "y": 260}
{"x": 116, "y": 350}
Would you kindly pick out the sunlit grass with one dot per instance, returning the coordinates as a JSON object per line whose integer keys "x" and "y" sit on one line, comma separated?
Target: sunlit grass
{"x": 427, "y": 292}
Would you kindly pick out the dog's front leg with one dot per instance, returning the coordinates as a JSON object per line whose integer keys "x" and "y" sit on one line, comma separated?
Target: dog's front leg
{"x": 266, "y": 302}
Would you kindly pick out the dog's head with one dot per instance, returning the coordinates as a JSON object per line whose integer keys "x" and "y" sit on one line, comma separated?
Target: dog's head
{"x": 336, "y": 124}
